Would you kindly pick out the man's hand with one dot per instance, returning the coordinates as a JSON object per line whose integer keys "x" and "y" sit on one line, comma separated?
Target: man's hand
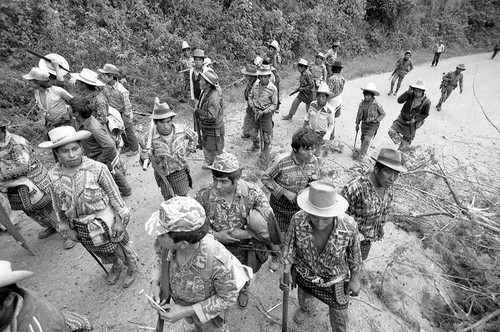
{"x": 353, "y": 286}
{"x": 225, "y": 236}
{"x": 154, "y": 292}
{"x": 126, "y": 219}
{"x": 240, "y": 234}
{"x": 410, "y": 90}
{"x": 175, "y": 312}
{"x": 290, "y": 195}
{"x": 117, "y": 230}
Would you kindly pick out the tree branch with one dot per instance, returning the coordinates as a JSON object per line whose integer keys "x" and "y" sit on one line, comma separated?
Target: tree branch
{"x": 482, "y": 321}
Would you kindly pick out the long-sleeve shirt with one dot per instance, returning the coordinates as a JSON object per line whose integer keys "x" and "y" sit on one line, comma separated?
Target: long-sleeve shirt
{"x": 100, "y": 106}
{"x": 210, "y": 110}
{"x": 263, "y": 98}
{"x": 320, "y": 119}
{"x": 88, "y": 191}
{"x": 53, "y": 102}
{"x": 170, "y": 152}
{"x": 367, "y": 207}
{"x": 100, "y": 146}
{"x": 340, "y": 255}
{"x": 307, "y": 85}
{"x": 370, "y": 112}
{"x": 118, "y": 97}
{"x": 403, "y": 66}
{"x": 286, "y": 173}
{"x": 439, "y": 48}
{"x": 454, "y": 79}
{"x": 318, "y": 72}
{"x": 410, "y": 111}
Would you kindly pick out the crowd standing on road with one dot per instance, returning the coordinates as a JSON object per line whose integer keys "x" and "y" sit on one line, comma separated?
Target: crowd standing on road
{"x": 208, "y": 248}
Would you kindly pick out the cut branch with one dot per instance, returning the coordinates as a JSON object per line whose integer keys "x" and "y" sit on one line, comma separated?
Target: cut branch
{"x": 482, "y": 321}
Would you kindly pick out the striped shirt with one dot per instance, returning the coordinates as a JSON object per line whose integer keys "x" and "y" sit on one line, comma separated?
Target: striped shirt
{"x": 118, "y": 97}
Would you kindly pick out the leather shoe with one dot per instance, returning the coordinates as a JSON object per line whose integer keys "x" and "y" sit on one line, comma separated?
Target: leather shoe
{"x": 300, "y": 316}
{"x": 243, "y": 299}
{"x": 47, "y": 232}
{"x": 68, "y": 244}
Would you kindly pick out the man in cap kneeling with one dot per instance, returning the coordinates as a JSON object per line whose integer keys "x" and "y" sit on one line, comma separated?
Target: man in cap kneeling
{"x": 193, "y": 269}
{"x": 322, "y": 254}
{"x": 370, "y": 196}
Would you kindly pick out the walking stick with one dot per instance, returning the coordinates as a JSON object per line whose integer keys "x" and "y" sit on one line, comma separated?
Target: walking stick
{"x": 284, "y": 317}
{"x": 261, "y": 133}
{"x": 12, "y": 230}
{"x": 355, "y": 139}
{"x": 46, "y": 59}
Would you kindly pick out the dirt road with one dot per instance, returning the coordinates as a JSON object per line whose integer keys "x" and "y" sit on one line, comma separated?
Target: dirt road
{"x": 72, "y": 280}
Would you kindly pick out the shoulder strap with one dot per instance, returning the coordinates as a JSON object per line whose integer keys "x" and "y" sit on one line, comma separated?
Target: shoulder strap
{"x": 209, "y": 267}
{"x": 165, "y": 276}
{"x": 244, "y": 192}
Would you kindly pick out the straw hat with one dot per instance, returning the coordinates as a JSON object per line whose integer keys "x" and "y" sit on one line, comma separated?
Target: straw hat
{"x": 63, "y": 135}
{"x": 321, "y": 55}
{"x": 322, "y": 200}
{"x": 461, "y": 66}
{"x": 210, "y": 76}
{"x": 9, "y": 277}
{"x": 258, "y": 61}
{"x": 408, "y": 52}
{"x": 250, "y": 70}
{"x": 226, "y": 163}
{"x": 199, "y": 53}
{"x": 161, "y": 111}
{"x": 392, "y": 159}
{"x": 109, "y": 69}
{"x": 274, "y": 44}
{"x": 178, "y": 214}
{"x": 38, "y": 74}
{"x": 336, "y": 43}
{"x": 324, "y": 89}
{"x": 303, "y": 62}
{"x": 371, "y": 87}
{"x": 419, "y": 85}
{"x": 88, "y": 76}
{"x": 48, "y": 65}
{"x": 264, "y": 70}
{"x": 185, "y": 45}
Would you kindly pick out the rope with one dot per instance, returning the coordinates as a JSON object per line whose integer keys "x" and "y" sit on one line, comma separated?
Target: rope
{"x": 482, "y": 109}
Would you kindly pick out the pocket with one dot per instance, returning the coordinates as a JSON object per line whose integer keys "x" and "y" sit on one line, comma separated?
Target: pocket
{"x": 92, "y": 194}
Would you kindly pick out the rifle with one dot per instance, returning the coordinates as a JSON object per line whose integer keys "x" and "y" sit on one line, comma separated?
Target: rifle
{"x": 145, "y": 163}
{"x": 356, "y": 138}
{"x": 284, "y": 316}
{"x": 294, "y": 92}
{"x": 46, "y": 59}
{"x": 394, "y": 72}
{"x": 165, "y": 285}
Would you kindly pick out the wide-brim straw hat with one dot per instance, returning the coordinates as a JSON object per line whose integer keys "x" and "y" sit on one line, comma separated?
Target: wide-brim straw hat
{"x": 210, "y": 76}
{"x": 419, "y": 85}
{"x": 321, "y": 199}
{"x": 391, "y": 158}
{"x": 371, "y": 87}
{"x": 38, "y": 74}
{"x": 161, "y": 111}
{"x": 323, "y": 88}
{"x": 109, "y": 69}
{"x": 264, "y": 70}
{"x": 48, "y": 65}
{"x": 88, "y": 76}
{"x": 461, "y": 66}
{"x": 303, "y": 62}
{"x": 321, "y": 55}
{"x": 250, "y": 70}
{"x": 9, "y": 277}
{"x": 199, "y": 53}
{"x": 407, "y": 52}
{"x": 185, "y": 45}
{"x": 63, "y": 135}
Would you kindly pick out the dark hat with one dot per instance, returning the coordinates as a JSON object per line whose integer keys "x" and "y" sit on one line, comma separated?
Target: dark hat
{"x": 337, "y": 64}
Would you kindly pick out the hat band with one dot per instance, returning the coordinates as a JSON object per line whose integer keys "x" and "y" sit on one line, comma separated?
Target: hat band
{"x": 59, "y": 139}
{"x": 382, "y": 159}
{"x": 318, "y": 207}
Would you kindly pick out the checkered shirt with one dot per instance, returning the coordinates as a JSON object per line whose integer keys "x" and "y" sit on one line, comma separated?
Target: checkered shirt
{"x": 118, "y": 97}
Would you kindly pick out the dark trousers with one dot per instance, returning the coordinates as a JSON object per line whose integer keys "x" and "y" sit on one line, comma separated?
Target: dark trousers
{"x": 435, "y": 60}
{"x": 129, "y": 138}
{"x": 121, "y": 182}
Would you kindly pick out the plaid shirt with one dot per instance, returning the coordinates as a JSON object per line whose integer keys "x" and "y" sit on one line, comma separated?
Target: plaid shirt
{"x": 88, "y": 191}
{"x": 285, "y": 173}
{"x": 118, "y": 97}
{"x": 15, "y": 154}
{"x": 366, "y": 206}
{"x": 368, "y": 113}
{"x": 171, "y": 157}
{"x": 264, "y": 98}
{"x": 224, "y": 215}
{"x": 336, "y": 84}
{"x": 340, "y": 255}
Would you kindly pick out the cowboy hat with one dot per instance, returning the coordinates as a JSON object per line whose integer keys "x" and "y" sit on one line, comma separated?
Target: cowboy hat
{"x": 337, "y": 64}
{"x": 303, "y": 62}
{"x": 161, "y": 111}
{"x": 87, "y": 76}
{"x": 185, "y": 45}
{"x": 392, "y": 159}
{"x": 109, "y": 69}
{"x": 324, "y": 89}
{"x": 63, "y": 135}
{"x": 461, "y": 66}
{"x": 258, "y": 61}
{"x": 225, "y": 163}
{"x": 336, "y": 43}
{"x": 250, "y": 70}
{"x": 38, "y": 74}
{"x": 264, "y": 70}
{"x": 9, "y": 277}
{"x": 419, "y": 85}
{"x": 322, "y": 200}
{"x": 44, "y": 64}
{"x": 274, "y": 44}
{"x": 199, "y": 53}
{"x": 321, "y": 55}
{"x": 408, "y": 52}
{"x": 371, "y": 87}
{"x": 210, "y": 76}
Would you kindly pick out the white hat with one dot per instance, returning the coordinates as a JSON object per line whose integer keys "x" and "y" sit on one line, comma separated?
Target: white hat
{"x": 323, "y": 88}
{"x": 9, "y": 277}
{"x": 419, "y": 85}
{"x": 275, "y": 45}
{"x": 322, "y": 200}
{"x": 63, "y": 135}
{"x": 371, "y": 87}
{"x": 185, "y": 45}
{"x": 88, "y": 76}
{"x": 258, "y": 61}
{"x": 303, "y": 62}
{"x": 38, "y": 74}
{"x": 48, "y": 65}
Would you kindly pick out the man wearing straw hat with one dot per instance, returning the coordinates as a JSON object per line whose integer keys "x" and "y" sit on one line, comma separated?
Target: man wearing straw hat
{"x": 413, "y": 114}
{"x": 321, "y": 252}
{"x": 318, "y": 71}
{"x": 320, "y": 117}
{"x": 331, "y": 56}
{"x": 370, "y": 196}
{"x": 305, "y": 89}
{"x": 90, "y": 88}
{"x": 209, "y": 114}
{"x": 195, "y": 271}
{"x": 26, "y": 182}
{"x": 118, "y": 98}
{"x": 250, "y": 72}
{"x": 170, "y": 143}
{"x": 450, "y": 82}
{"x": 194, "y": 74}
{"x": 370, "y": 113}
{"x": 263, "y": 101}
{"x": 88, "y": 203}
{"x": 274, "y": 53}
{"x": 185, "y": 64}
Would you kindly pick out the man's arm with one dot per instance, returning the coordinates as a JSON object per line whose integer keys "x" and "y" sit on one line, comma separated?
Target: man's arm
{"x": 105, "y": 180}
{"x": 359, "y": 115}
{"x": 269, "y": 176}
{"x": 381, "y": 112}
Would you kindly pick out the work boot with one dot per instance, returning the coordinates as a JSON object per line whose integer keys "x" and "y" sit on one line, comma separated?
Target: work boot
{"x": 300, "y": 316}
{"x": 114, "y": 274}
{"x": 255, "y": 147}
{"x": 438, "y": 107}
{"x": 46, "y": 233}
{"x": 130, "y": 277}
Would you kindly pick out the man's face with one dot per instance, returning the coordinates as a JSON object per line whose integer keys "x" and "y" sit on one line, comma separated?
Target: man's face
{"x": 386, "y": 176}
{"x": 198, "y": 62}
{"x": 264, "y": 80}
{"x": 271, "y": 50}
{"x": 166, "y": 242}
{"x": 224, "y": 186}
{"x": 318, "y": 61}
{"x": 305, "y": 155}
{"x": 367, "y": 97}
{"x": 105, "y": 77}
{"x": 321, "y": 98}
{"x": 80, "y": 86}
{"x": 407, "y": 56}
{"x": 301, "y": 68}
{"x": 70, "y": 155}
{"x": 320, "y": 222}
{"x": 418, "y": 93}
{"x": 187, "y": 52}
{"x": 165, "y": 126}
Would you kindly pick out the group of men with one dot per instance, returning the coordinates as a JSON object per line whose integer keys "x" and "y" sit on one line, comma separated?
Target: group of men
{"x": 208, "y": 247}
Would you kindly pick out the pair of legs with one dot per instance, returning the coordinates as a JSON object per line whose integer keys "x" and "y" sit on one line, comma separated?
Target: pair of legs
{"x": 129, "y": 138}
{"x": 368, "y": 132}
{"x": 212, "y": 144}
{"x": 435, "y": 60}
{"x": 403, "y": 141}
{"x": 399, "y": 78}
{"x": 178, "y": 182}
{"x": 264, "y": 127}
{"x": 445, "y": 93}
{"x": 293, "y": 109}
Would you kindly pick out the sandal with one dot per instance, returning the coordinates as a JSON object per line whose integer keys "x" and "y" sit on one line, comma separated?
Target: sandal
{"x": 243, "y": 299}
{"x": 114, "y": 274}
{"x": 300, "y": 316}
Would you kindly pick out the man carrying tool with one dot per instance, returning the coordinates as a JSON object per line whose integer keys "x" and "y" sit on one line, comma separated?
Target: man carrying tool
{"x": 305, "y": 89}
{"x": 450, "y": 82}
{"x": 403, "y": 67}
{"x": 228, "y": 204}
{"x": 166, "y": 146}
{"x": 263, "y": 101}
{"x": 185, "y": 64}
{"x": 321, "y": 252}
{"x": 193, "y": 269}
{"x": 88, "y": 204}
{"x": 370, "y": 197}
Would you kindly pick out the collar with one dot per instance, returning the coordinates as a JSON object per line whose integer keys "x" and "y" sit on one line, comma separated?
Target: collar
{"x": 295, "y": 160}
{"x": 85, "y": 124}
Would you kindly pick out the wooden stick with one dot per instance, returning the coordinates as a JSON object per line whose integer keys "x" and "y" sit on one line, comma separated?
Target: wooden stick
{"x": 482, "y": 321}
{"x": 141, "y": 113}
{"x": 362, "y": 301}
